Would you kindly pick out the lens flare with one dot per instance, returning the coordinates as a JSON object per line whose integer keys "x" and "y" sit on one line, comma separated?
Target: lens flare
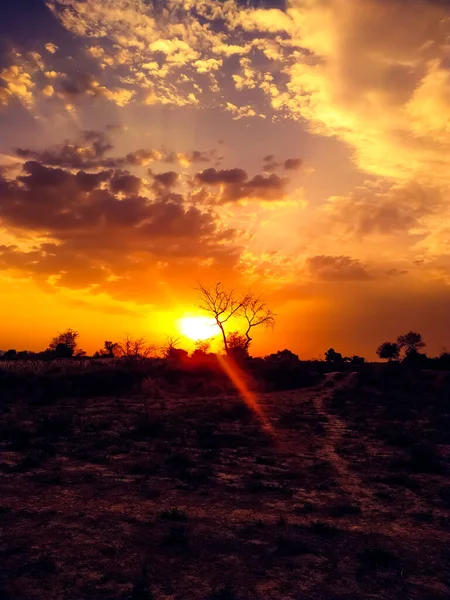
{"x": 237, "y": 378}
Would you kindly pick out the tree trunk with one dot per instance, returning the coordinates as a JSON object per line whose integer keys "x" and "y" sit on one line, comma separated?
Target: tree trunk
{"x": 249, "y": 339}
{"x": 225, "y": 343}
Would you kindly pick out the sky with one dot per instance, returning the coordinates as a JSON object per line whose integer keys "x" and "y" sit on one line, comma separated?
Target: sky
{"x": 297, "y": 149}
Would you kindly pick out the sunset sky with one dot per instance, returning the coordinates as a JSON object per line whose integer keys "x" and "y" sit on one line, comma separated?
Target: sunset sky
{"x": 299, "y": 149}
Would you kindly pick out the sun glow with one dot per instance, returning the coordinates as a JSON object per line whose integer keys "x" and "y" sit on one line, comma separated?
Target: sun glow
{"x": 198, "y": 328}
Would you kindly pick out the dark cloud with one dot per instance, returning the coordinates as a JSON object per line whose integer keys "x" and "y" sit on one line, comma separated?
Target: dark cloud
{"x": 271, "y": 164}
{"x": 336, "y": 268}
{"x": 215, "y": 177}
{"x": 87, "y": 153}
{"x": 124, "y": 182}
{"x": 78, "y": 84}
{"x": 37, "y": 176}
{"x": 292, "y": 164}
{"x": 89, "y": 181}
{"x": 236, "y": 186}
{"x": 265, "y": 183}
{"x": 99, "y": 140}
{"x": 91, "y": 149}
{"x": 99, "y": 237}
{"x": 168, "y": 179}
{"x": 264, "y": 4}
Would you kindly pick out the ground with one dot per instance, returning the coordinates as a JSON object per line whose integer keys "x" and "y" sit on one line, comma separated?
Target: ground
{"x": 198, "y": 499}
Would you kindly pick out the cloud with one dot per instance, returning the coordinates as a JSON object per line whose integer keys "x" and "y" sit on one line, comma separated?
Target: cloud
{"x": 385, "y": 210}
{"x": 225, "y": 176}
{"x": 88, "y": 235}
{"x": 86, "y": 153}
{"x": 381, "y": 89}
{"x": 143, "y": 157}
{"x": 235, "y": 185}
{"x": 167, "y": 180}
{"x": 186, "y": 159}
{"x": 292, "y": 164}
{"x": 336, "y": 268}
{"x": 242, "y": 112}
{"x": 91, "y": 149}
{"x": 17, "y": 83}
{"x": 165, "y": 52}
{"x": 125, "y": 183}
{"x": 4, "y": 96}
{"x": 48, "y": 90}
{"x": 208, "y": 65}
{"x": 51, "y": 47}
{"x": 73, "y": 87}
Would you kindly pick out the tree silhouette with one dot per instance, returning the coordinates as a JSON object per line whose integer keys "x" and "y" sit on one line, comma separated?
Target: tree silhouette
{"x": 109, "y": 350}
{"x": 135, "y": 348}
{"x": 172, "y": 352}
{"x": 411, "y": 342}
{"x": 283, "y": 356}
{"x": 201, "y": 349}
{"x": 389, "y": 351}
{"x": 332, "y": 356}
{"x": 237, "y": 345}
{"x": 256, "y": 313}
{"x": 357, "y": 360}
{"x": 65, "y": 344}
{"x": 223, "y": 304}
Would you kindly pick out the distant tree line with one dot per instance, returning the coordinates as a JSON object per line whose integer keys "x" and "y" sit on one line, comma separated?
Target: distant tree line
{"x": 406, "y": 349}
{"x": 225, "y": 307}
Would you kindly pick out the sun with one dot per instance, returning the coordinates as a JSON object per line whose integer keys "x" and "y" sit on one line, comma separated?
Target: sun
{"x": 198, "y": 328}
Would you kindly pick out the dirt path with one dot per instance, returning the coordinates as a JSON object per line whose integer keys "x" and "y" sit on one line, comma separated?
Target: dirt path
{"x": 336, "y": 431}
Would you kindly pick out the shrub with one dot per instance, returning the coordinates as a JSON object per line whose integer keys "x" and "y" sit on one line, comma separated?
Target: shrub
{"x": 174, "y": 514}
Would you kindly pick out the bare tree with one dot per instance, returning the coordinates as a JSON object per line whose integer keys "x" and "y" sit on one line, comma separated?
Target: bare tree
{"x": 223, "y": 304}
{"x": 171, "y": 347}
{"x": 135, "y": 348}
{"x": 256, "y": 313}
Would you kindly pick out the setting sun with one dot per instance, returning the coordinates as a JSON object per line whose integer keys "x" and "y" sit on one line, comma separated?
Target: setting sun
{"x": 198, "y": 328}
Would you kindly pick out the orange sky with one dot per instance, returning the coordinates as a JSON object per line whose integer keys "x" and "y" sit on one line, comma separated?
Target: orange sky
{"x": 299, "y": 150}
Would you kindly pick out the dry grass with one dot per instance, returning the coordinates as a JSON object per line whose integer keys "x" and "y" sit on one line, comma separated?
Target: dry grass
{"x": 112, "y": 498}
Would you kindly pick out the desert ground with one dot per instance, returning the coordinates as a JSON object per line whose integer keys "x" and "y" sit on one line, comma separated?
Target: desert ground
{"x": 337, "y": 491}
